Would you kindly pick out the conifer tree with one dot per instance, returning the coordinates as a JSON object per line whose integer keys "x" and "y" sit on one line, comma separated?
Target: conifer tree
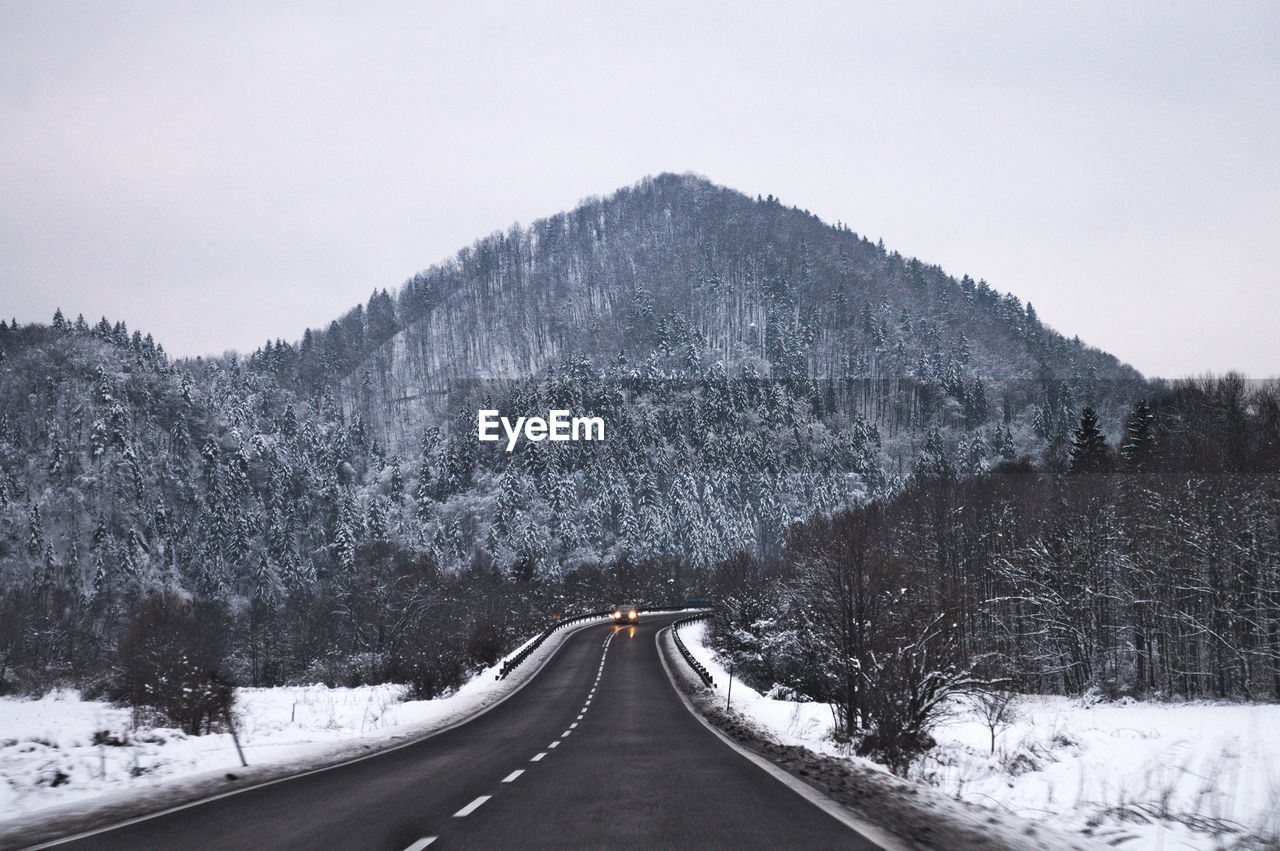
{"x": 344, "y": 547}
{"x": 1002, "y": 443}
{"x": 1139, "y": 439}
{"x": 265, "y": 584}
{"x": 933, "y": 461}
{"x": 396, "y": 482}
{"x": 35, "y": 533}
{"x": 1089, "y": 451}
{"x": 377, "y": 519}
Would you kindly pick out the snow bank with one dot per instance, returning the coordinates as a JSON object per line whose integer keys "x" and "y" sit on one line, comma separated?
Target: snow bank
{"x": 1138, "y": 775}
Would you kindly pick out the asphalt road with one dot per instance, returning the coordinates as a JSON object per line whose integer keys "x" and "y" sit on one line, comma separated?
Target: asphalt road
{"x": 596, "y": 750}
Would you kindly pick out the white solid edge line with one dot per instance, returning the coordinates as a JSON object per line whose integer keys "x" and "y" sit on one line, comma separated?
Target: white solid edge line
{"x": 513, "y": 775}
{"x": 538, "y": 757}
{"x": 471, "y": 807}
{"x": 422, "y": 843}
{"x": 867, "y": 831}
{"x": 76, "y": 837}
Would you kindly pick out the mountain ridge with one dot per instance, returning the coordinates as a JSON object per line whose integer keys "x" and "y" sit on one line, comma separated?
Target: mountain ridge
{"x": 677, "y": 261}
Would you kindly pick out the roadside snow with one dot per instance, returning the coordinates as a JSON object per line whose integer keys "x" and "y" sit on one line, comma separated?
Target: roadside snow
{"x": 791, "y": 722}
{"x": 1139, "y": 775}
{"x": 60, "y": 750}
{"x": 59, "y": 747}
{"x": 1168, "y": 775}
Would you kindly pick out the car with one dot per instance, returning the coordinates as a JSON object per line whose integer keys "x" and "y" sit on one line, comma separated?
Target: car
{"x": 626, "y": 615}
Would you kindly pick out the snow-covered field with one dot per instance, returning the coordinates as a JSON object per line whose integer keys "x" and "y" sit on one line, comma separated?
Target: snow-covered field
{"x": 60, "y": 749}
{"x": 1139, "y": 775}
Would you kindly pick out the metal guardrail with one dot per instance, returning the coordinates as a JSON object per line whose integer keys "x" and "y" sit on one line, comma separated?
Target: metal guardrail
{"x": 515, "y": 661}
{"x": 698, "y": 667}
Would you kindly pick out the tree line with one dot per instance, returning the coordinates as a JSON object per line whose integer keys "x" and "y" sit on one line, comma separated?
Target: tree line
{"x": 1144, "y": 563}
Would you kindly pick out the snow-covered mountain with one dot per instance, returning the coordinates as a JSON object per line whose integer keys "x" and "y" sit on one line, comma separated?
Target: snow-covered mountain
{"x": 676, "y": 274}
{"x": 753, "y": 364}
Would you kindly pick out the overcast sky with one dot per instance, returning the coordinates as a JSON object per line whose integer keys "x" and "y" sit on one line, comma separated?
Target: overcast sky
{"x": 221, "y": 173}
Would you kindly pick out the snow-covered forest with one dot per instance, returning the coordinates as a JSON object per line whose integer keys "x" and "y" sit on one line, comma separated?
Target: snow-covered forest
{"x": 322, "y": 555}
{"x": 1146, "y": 565}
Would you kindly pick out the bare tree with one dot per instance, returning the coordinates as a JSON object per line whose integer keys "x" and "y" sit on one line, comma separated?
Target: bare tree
{"x": 997, "y": 709}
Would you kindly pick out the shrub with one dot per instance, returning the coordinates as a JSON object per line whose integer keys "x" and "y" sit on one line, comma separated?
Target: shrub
{"x": 172, "y": 659}
{"x": 907, "y": 690}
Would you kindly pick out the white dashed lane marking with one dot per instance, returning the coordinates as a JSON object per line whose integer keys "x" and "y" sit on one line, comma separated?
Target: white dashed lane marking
{"x": 471, "y": 807}
{"x": 510, "y": 778}
{"x": 422, "y": 843}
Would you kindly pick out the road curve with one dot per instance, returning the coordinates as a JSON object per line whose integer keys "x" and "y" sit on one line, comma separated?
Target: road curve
{"x": 597, "y": 750}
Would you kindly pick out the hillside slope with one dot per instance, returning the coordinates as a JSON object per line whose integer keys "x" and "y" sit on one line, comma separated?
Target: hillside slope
{"x": 678, "y": 273}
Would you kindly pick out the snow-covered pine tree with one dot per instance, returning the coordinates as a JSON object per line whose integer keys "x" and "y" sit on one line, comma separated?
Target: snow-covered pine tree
{"x": 1139, "y": 436}
{"x": 1089, "y": 450}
